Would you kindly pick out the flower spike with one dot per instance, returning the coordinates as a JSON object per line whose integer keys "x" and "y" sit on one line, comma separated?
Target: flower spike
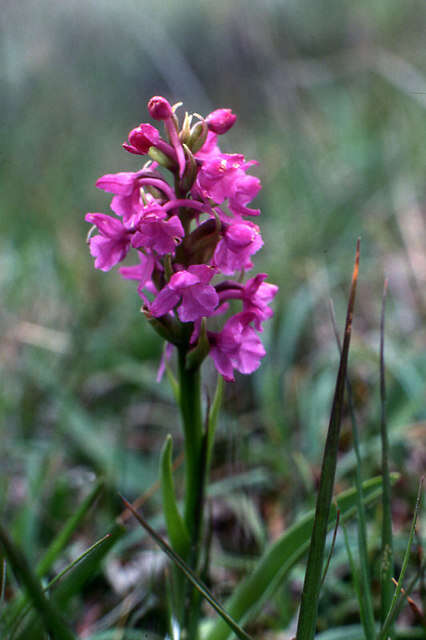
{"x": 192, "y": 237}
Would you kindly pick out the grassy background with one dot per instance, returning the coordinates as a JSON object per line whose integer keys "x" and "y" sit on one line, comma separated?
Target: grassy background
{"x": 331, "y": 100}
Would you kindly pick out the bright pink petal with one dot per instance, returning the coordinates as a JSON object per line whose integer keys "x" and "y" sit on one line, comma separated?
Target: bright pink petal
{"x": 108, "y": 252}
{"x": 164, "y": 302}
{"x": 183, "y": 279}
{"x": 118, "y": 183}
{"x": 197, "y": 302}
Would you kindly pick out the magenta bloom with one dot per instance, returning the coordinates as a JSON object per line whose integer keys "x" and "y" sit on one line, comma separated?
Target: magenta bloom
{"x": 157, "y": 232}
{"x": 237, "y": 346}
{"x": 141, "y": 139}
{"x": 240, "y": 241}
{"x": 113, "y": 242}
{"x": 221, "y": 120}
{"x": 199, "y": 298}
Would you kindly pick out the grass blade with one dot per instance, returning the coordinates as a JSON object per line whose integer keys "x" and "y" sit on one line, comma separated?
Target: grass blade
{"x": 355, "y": 575}
{"x": 59, "y": 576}
{"x": 56, "y": 547}
{"x": 384, "y": 632}
{"x": 70, "y": 582}
{"x": 333, "y": 542}
{"x": 366, "y": 603}
{"x": 3, "y": 580}
{"x": 312, "y": 585}
{"x": 87, "y": 567}
{"x": 387, "y": 564}
{"x": 201, "y": 588}
{"x": 48, "y": 612}
{"x": 64, "y": 536}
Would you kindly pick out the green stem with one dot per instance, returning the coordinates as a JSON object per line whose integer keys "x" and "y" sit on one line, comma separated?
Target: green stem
{"x": 190, "y": 407}
{"x": 191, "y": 411}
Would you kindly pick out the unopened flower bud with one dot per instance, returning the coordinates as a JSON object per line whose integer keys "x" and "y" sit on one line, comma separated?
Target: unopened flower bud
{"x": 159, "y": 108}
{"x": 160, "y": 157}
{"x": 221, "y": 120}
{"x": 185, "y": 131}
{"x": 198, "y": 136}
{"x": 190, "y": 170}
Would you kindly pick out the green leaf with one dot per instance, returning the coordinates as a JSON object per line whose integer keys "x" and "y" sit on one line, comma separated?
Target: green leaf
{"x": 57, "y": 546}
{"x": 87, "y": 568}
{"x": 64, "y": 536}
{"x": 47, "y": 611}
{"x": 212, "y": 417}
{"x": 84, "y": 568}
{"x": 176, "y": 528}
{"x": 282, "y": 555}
{"x": 25, "y": 609}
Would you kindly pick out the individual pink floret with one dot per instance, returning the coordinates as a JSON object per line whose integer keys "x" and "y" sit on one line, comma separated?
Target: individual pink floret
{"x": 237, "y": 346}
{"x": 223, "y": 177}
{"x": 198, "y": 298}
{"x": 157, "y": 232}
{"x": 127, "y": 199}
{"x": 112, "y": 243}
{"x": 256, "y": 295}
{"x": 245, "y": 190}
{"x": 240, "y": 241}
{"x": 221, "y": 120}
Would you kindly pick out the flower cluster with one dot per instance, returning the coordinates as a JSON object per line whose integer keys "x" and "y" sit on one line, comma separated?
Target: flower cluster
{"x": 189, "y": 235}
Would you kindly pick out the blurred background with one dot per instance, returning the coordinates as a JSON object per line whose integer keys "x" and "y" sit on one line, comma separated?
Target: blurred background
{"x": 331, "y": 101}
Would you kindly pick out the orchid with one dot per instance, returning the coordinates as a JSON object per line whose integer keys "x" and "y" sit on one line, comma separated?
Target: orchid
{"x": 194, "y": 247}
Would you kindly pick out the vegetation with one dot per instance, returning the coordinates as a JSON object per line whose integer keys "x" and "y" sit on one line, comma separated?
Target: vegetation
{"x": 331, "y": 100}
